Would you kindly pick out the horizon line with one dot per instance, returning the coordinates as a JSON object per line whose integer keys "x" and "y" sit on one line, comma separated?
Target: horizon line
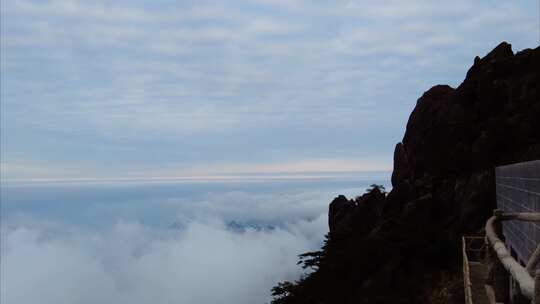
{"x": 307, "y": 175}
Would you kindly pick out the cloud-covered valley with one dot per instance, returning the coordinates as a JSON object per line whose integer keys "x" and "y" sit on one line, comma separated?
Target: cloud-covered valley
{"x": 199, "y": 258}
{"x": 130, "y": 263}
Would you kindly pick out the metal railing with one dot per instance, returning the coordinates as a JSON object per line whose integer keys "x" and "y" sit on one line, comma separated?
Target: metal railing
{"x": 475, "y": 251}
{"x": 526, "y": 277}
{"x": 466, "y": 274}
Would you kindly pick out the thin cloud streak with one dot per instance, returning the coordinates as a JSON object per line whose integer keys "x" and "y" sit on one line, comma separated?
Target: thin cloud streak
{"x": 306, "y": 169}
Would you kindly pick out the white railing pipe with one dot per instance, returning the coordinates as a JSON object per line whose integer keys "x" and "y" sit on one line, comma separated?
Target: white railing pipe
{"x": 518, "y": 272}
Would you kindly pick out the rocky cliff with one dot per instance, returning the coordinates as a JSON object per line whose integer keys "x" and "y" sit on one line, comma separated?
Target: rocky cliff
{"x": 403, "y": 247}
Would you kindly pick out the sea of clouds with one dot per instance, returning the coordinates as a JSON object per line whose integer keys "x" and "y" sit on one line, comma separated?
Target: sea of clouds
{"x": 197, "y": 259}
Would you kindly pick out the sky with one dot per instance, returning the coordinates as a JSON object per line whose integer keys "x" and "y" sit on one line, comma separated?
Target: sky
{"x": 146, "y": 89}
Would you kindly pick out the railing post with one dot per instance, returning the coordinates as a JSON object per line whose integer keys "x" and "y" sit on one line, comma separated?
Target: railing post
{"x": 537, "y": 287}
{"x": 499, "y": 274}
{"x": 466, "y": 274}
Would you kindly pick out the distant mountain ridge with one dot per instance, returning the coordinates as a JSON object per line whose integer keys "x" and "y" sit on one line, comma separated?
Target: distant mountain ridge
{"x": 232, "y": 225}
{"x": 402, "y": 247}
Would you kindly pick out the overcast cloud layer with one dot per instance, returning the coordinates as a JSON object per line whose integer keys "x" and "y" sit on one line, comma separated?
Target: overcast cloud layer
{"x": 153, "y": 88}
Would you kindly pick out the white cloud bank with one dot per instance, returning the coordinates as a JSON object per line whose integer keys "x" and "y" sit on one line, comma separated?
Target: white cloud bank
{"x": 130, "y": 263}
{"x": 203, "y": 261}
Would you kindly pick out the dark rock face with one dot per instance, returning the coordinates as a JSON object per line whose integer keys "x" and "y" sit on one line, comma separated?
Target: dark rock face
{"x": 353, "y": 216}
{"x": 404, "y": 247}
{"x": 340, "y": 209}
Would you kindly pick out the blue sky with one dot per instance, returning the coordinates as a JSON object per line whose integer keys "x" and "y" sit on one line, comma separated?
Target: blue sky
{"x": 125, "y": 89}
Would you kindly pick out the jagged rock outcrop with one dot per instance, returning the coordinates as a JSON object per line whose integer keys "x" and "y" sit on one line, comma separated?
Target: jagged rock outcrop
{"x": 355, "y": 216}
{"x": 339, "y": 211}
{"x": 403, "y": 247}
